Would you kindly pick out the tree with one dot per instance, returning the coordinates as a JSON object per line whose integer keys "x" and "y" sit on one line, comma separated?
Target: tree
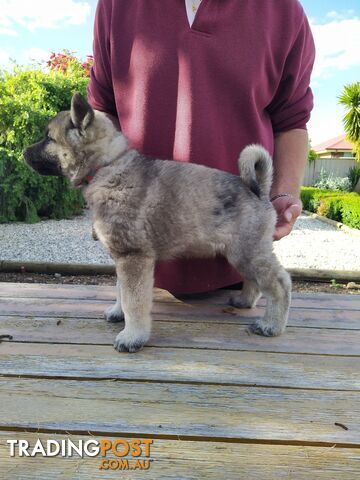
{"x": 67, "y": 63}
{"x": 350, "y": 98}
{"x": 29, "y": 97}
{"x": 312, "y": 155}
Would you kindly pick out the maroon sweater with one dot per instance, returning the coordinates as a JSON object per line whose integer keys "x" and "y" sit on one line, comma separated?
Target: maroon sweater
{"x": 239, "y": 75}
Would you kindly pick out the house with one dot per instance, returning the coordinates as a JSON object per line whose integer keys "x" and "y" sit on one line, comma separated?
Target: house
{"x": 334, "y": 157}
{"x": 338, "y": 147}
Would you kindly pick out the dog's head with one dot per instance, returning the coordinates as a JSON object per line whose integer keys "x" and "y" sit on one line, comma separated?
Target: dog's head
{"x": 76, "y": 142}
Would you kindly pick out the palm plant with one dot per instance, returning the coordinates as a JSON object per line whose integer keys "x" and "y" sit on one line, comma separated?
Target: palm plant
{"x": 350, "y": 98}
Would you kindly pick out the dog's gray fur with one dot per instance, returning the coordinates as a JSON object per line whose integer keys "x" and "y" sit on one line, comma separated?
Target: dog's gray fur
{"x": 145, "y": 210}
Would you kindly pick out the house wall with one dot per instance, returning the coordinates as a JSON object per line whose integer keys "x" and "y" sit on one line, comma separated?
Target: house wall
{"x": 339, "y": 167}
{"x": 336, "y": 155}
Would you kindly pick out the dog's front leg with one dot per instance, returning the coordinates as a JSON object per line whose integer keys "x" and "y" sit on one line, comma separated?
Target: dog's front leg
{"x": 115, "y": 313}
{"x": 136, "y": 277}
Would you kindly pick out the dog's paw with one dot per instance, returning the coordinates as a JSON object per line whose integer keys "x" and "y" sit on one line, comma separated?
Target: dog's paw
{"x": 131, "y": 343}
{"x": 266, "y": 329}
{"x": 246, "y": 299}
{"x": 114, "y": 315}
{"x": 239, "y": 302}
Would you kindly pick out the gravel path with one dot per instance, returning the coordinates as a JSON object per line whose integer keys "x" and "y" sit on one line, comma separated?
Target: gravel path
{"x": 316, "y": 244}
{"x": 312, "y": 244}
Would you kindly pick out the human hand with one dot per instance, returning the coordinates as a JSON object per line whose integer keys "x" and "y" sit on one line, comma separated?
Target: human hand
{"x": 287, "y": 208}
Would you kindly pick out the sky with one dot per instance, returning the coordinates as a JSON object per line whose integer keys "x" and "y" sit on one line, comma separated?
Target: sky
{"x": 31, "y": 30}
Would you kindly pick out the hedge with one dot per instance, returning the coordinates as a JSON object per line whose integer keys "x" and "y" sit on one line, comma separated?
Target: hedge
{"x": 340, "y": 206}
{"x": 28, "y": 99}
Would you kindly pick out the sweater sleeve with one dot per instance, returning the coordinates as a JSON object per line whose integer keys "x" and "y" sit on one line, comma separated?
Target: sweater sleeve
{"x": 100, "y": 89}
{"x": 293, "y": 101}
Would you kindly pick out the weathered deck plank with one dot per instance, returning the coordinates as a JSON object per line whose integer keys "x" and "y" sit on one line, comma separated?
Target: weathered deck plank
{"x": 107, "y": 293}
{"x": 181, "y": 365}
{"x": 191, "y": 461}
{"x": 202, "y": 335}
{"x": 178, "y": 312}
{"x": 181, "y": 410}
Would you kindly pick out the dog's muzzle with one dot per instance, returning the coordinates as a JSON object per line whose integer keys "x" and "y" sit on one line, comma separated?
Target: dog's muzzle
{"x": 44, "y": 165}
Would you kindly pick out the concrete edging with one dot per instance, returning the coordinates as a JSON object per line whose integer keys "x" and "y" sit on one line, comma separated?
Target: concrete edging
{"x": 333, "y": 223}
{"x": 63, "y": 268}
{"x": 314, "y": 275}
{"x": 311, "y": 275}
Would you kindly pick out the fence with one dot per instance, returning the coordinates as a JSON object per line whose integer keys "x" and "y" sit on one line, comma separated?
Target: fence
{"x": 339, "y": 167}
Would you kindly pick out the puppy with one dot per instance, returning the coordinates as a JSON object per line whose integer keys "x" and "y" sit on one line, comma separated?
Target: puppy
{"x": 145, "y": 210}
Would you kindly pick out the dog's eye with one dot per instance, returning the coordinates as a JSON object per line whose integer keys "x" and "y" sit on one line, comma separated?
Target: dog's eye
{"x": 50, "y": 138}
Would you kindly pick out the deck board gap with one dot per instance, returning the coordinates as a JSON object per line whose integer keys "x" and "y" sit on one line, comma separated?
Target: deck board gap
{"x": 249, "y": 441}
{"x": 173, "y": 382}
{"x": 189, "y": 347}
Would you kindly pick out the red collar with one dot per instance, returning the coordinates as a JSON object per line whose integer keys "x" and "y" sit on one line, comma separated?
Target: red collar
{"x": 89, "y": 178}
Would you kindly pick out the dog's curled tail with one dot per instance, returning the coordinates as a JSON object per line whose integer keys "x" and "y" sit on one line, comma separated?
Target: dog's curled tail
{"x": 255, "y": 167}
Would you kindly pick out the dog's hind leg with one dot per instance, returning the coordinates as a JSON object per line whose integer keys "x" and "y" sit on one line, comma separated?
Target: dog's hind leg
{"x": 248, "y": 297}
{"x": 115, "y": 313}
{"x": 136, "y": 278}
{"x": 277, "y": 290}
{"x": 275, "y": 283}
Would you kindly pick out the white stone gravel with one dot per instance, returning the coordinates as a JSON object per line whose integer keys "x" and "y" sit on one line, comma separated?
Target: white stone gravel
{"x": 52, "y": 241}
{"x": 316, "y": 244}
{"x": 312, "y": 244}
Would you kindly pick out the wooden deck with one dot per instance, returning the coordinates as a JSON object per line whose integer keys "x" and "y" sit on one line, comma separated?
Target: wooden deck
{"x": 217, "y": 401}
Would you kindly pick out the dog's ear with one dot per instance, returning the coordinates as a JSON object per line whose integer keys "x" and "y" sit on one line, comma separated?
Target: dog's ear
{"x": 81, "y": 112}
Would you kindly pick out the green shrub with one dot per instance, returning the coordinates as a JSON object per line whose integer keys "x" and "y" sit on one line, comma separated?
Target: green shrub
{"x": 327, "y": 181}
{"x": 311, "y": 196}
{"x": 334, "y": 208}
{"x": 351, "y": 211}
{"x": 340, "y": 206}
{"x": 28, "y": 99}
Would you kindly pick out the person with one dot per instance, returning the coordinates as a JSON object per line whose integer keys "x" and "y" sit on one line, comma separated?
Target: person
{"x": 199, "y": 87}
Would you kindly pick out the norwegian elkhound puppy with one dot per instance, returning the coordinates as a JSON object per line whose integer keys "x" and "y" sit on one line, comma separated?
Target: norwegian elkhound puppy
{"x": 144, "y": 210}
